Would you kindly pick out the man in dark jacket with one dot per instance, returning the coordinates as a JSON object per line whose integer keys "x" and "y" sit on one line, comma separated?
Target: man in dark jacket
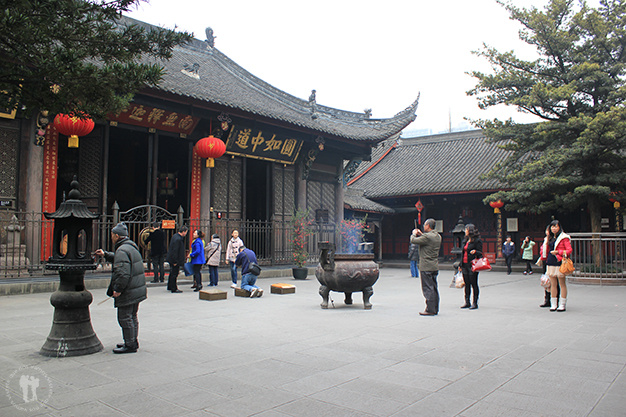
{"x": 429, "y": 243}
{"x": 128, "y": 285}
{"x": 157, "y": 251}
{"x": 245, "y": 258}
{"x": 176, "y": 258}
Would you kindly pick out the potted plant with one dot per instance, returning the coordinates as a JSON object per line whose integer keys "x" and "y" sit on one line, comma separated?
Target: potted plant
{"x": 300, "y": 230}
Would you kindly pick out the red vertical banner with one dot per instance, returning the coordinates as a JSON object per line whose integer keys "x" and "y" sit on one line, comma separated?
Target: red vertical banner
{"x": 49, "y": 200}
{"x": 196, "y": 193}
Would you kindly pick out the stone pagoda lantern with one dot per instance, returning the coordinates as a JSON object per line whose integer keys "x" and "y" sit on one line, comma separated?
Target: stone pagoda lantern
{"x": 71, "y": 333}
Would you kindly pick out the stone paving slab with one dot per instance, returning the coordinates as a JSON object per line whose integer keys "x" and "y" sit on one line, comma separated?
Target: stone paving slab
{"x": 282, "y": 356}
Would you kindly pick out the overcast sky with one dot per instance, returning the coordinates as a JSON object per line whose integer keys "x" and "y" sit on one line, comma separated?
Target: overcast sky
{"x": 360, "y": 54}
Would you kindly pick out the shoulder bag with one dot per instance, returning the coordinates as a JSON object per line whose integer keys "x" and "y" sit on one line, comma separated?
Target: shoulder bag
{"x": 567, "y": 266}
{"x": 253, "y": 267}
{"x": 480, "y": 264}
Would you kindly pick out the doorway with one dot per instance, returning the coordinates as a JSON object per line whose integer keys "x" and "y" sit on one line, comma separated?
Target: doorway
{"x": 128, "y": 168}
{"x": 173, "y": 174}
{"x": 257, "y": 175}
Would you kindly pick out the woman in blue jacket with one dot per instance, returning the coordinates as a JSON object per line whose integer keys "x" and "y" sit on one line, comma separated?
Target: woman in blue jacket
{"x": 197, "y": 259}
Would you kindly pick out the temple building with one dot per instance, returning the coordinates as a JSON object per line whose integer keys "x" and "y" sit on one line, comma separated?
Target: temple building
{"x": 282, "y": 153}
{"x": 439, "y": 176}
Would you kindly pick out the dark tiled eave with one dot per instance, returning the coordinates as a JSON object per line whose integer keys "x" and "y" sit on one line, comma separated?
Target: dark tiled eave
{"x": 220, "y": 81}
{"x": 430, "y": 165}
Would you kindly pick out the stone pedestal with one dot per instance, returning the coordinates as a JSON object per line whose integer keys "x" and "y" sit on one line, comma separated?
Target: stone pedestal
{"x": 281, "y": 288}
{"x": 241, "y": 293}
{"x": 212, "y": 294}
{"x": 71, "y": 333}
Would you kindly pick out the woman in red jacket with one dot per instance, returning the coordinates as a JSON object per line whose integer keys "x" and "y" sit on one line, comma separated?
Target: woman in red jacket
{"x": 559, "y": 247}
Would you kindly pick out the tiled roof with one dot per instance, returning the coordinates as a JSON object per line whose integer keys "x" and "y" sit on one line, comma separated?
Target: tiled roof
{"x": 354, "y": 199}
{"x": 204, "y": 73}
{"x": 447, "y": 163}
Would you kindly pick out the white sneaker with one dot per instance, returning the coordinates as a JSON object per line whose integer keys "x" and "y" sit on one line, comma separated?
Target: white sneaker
{"x": 254, "y": 292}
{"x": 259, "y": 292}
{"x": 233, "y": 285}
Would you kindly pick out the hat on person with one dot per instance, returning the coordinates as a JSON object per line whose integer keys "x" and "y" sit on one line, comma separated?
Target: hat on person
{"x": 120, "y": 229}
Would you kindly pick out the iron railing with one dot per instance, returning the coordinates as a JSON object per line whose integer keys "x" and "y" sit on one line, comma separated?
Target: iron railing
{"x": 599, "y": 255}
{"x": 26, "y": 237}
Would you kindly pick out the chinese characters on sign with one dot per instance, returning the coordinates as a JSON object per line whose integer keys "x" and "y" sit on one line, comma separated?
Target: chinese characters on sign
{"x": 140, "y": 115}
{"x": 263, "y": 145}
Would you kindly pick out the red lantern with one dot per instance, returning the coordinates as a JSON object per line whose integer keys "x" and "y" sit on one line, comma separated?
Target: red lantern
{"x": 73, "y": 126}
{"x": 614, "y": 200}
{"x": 210, "y": 148}
{"x": 496, "y": 205}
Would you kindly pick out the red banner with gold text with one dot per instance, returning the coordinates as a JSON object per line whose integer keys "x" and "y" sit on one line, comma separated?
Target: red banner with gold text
{"x": 49, "y": 201}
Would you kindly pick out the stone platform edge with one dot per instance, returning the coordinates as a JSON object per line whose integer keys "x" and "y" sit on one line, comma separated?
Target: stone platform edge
{"x": 51, "y": 283}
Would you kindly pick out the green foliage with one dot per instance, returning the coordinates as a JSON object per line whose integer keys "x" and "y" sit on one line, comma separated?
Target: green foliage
{"x": 577, "y": 86}
{"x": 302, "y": 228}
{"x": 67, "y": 55}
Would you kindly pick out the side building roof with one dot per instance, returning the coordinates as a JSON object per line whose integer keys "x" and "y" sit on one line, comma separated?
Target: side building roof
{"x": 437, "y": 164}
{"x": 354, "y": 199}
{"x": 202, "y": 72}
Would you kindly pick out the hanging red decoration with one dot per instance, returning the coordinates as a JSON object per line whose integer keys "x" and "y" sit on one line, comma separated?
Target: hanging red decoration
{"x": 73, "y": 126}
{"x": 496, "y": 205}
{"x": 210, "y": 148}
{"x": 614, "y": 200}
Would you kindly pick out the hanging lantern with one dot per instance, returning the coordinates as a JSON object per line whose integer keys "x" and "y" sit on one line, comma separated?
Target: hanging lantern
{"x": 496, "y": 205}
{"x": 73, "y": 127}
{"x": 210, "y": 148}
{"x": 614, "y": 200}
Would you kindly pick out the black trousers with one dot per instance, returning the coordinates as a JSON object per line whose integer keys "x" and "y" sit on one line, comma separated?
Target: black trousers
{"x": 509, "y": 261}
{"x": 471, "y": 282}
{"x": 127, "y": 318}
{"x": 157, "y": 263}
{"x": 430, "y": 290}
{"x": 171, "y": 279}
{"x": 197, "y": 275}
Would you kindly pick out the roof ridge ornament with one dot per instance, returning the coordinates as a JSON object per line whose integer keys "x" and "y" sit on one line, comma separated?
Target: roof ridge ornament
{"x": 210, "y": 38}
{"x": 191, "y": 70}
{"x": 313, "y": 105}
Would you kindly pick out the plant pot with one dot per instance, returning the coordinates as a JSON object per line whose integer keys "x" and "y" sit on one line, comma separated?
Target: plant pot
{"x": 300, "y": 273}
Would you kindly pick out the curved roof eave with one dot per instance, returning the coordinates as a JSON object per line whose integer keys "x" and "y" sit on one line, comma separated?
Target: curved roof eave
{"x": 201, "y": 72}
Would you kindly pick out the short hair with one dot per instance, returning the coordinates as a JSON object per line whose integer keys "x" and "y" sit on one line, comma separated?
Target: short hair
{"x": 156, "y": 224}
{"x": 183, "y": 229}
{"x": 431, "y": 223}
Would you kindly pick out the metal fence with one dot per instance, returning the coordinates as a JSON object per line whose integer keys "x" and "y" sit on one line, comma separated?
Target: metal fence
{"x": 26, "y": 237}
{"x": 599, "y": 255}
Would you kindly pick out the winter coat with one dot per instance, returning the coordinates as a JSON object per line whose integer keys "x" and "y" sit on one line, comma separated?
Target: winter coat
{"x": 213, "y": 252}
{"x": 176, "y": 252}
{"x": 563, "y": 246}
{"x": 232, "y": 249}
{"x": 244, "y": 259}
{"x": 527, "y": 253}
{"x": 476, "y": 245}
{"x": 197, "y": 252}
{"x": 429, "y": 244}
{"x": 127, "y": 276}
{"x": 508, "y": 249}
{"x": 157, "y": 242}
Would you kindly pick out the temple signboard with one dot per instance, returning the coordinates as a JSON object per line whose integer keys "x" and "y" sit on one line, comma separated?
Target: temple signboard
{"x": 254, "y": 143}
{"x": 152, "y": 117}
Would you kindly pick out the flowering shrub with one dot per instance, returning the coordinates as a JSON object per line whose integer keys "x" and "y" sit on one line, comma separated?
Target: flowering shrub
{"x": 301, "y": 230}
{"x": 351, "y": 233}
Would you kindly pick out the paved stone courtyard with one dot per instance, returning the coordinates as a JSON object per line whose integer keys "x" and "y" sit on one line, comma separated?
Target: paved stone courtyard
{"x": 282, "y": 355}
